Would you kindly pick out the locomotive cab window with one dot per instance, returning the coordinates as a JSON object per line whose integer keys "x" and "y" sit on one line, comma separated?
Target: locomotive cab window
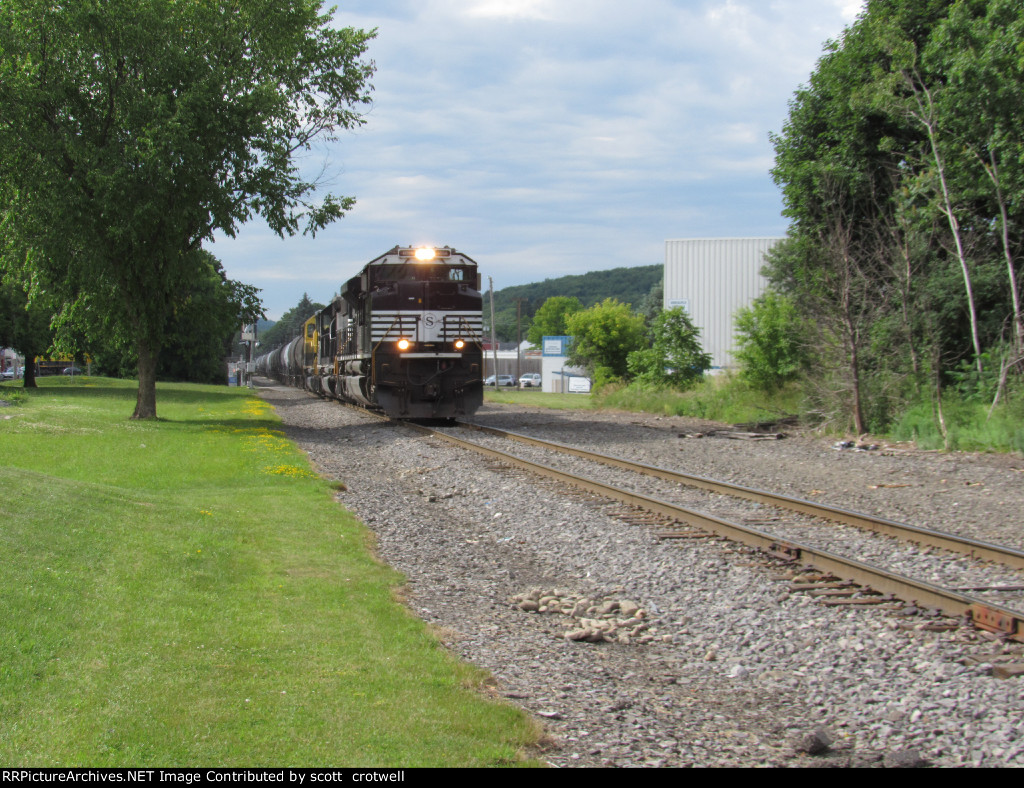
{"x": 417, "y": 272}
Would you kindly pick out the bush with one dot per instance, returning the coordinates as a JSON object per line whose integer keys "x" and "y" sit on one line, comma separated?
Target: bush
{"x": 675, "y": 357}
{"x": 770, "y": 335}
{"x": 603, "y": 377}
{"x": 605, "y": 336}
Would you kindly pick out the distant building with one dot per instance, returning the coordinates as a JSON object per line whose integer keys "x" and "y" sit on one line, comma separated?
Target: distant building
{"x": 558, "y": 376}
{"x": 712, "y": 278}
{"x": 510, "y": 359}
{"x": 11, "y": 360}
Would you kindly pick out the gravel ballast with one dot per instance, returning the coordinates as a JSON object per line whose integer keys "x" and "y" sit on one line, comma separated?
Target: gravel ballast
{"x": 635, "y": 652}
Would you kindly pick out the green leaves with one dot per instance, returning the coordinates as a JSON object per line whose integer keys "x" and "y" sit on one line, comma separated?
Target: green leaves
{"x": 771, "y": 340}
{"x": 605, "y": 335}
{"x": 133, "y": 130}
{"x": 901, "y": 161}
{"x": 551, "y": 318}
{"x": 290, "y": 324}
{"x": 676, "y": 357}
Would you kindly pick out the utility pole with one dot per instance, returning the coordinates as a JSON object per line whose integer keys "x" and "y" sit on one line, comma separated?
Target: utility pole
{"x": 494, "y": 342}
{"x": 249, "y": 341}
{"x": 251, "y": 366}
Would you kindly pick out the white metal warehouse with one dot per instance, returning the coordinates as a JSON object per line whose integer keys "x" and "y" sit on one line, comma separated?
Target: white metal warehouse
{"x": 712, "y": 278}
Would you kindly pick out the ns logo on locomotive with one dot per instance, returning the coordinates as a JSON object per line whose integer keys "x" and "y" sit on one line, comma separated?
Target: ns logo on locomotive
{"x": 403, "y": 337}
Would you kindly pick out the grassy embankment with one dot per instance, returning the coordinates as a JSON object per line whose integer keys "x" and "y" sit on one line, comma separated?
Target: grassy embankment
{"x": 538, "y": 398}
{"x": 717, "y": 398}
{"x": 186, "y": 592}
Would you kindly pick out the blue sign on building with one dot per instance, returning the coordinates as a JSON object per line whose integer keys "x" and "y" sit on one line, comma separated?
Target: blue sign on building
{"x": 555, "y": 346}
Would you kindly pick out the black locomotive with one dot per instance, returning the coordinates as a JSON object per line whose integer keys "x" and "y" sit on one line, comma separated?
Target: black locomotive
{"x": 403, "y": 337}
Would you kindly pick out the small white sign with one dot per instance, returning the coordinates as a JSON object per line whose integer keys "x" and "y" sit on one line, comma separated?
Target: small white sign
{"x": 553, "y": 347}
{"x": 683, "y": 302}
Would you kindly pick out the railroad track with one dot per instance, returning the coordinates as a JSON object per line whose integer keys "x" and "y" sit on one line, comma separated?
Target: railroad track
{"x": 983, "y": 613}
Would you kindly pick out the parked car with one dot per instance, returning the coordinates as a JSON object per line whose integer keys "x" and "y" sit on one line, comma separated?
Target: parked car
{"x": 530, "y": 380}
{"x": 72, "y": 371}
{"x": 503, "y": 380}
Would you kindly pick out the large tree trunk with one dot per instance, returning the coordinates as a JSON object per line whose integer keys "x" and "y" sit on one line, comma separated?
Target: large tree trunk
{"x": 29, "y": 372}
{"x": 145, "y": 404}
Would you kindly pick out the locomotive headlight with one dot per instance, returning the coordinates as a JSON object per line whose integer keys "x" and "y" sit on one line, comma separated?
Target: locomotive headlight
{"x": 404, "y": 344}
{"x": 459, "y": 344}
{"x": 425, "y": 253}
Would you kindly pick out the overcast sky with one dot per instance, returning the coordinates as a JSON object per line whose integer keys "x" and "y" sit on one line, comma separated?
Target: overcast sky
{"x": 552, "y": 137}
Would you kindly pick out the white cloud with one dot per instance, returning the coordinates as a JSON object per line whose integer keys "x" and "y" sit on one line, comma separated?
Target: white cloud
{"x": 849, "y": 9}
{"x": 508, "y": 9}
{"x": 732, "y": 17}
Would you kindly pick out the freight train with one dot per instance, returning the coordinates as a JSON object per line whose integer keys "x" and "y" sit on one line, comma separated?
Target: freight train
{"x": 404, "y": 337}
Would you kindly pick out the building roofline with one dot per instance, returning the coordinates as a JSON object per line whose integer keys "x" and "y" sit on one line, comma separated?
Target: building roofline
{"x": 733, "y": 238}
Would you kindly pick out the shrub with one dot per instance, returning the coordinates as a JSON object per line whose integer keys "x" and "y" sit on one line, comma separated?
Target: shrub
{"x": 770, "y": 335}
{"x": 675, "y": 357}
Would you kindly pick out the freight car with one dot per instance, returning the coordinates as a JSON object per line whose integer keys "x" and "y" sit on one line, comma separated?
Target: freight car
{"x": 404, "y": 337}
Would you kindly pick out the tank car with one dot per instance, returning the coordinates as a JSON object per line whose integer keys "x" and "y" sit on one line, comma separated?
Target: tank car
{"x": 404, "y": 337}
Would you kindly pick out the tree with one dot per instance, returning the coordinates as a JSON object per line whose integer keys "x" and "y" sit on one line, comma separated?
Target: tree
{"x": 290, "y": 324}
{"x": 197, "y": 340}
{"x": 605, "y": 335}
{"x": 771, "y": 342}
{"x": 676, "y": 357}
{"x": 840, "y": 296}
{"x": 901, "y": 170}
{"x": 652, "y": 303}
{"x": 550, "y": 320}
{"x": 907, "y": 92}
{"x": 977, "y": 48}
{"x": 133, "y": 129}
{"x": 202, "y": 329}
{"x": 24, "y": 323}
{"x": 26, "y": 301}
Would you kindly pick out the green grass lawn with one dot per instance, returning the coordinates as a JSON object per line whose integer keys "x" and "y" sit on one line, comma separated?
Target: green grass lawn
{"x": 186, "y": 592}
{"x": 537, "y": 398}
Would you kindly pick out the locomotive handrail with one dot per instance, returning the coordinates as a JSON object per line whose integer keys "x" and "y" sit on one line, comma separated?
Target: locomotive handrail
{"x": 471, "y": 334}
{"x": 387, "y": 331}
{"x": 373, "y": 353}
{"x": 398, "y": 319}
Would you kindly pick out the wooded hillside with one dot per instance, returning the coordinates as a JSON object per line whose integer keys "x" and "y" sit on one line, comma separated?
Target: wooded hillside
{"x": 628, "y": 285}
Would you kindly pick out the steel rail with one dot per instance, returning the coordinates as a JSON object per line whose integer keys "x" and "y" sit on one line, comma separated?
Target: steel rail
{"x": 1008, "y": 622}
{"x": 985, "y": 551}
